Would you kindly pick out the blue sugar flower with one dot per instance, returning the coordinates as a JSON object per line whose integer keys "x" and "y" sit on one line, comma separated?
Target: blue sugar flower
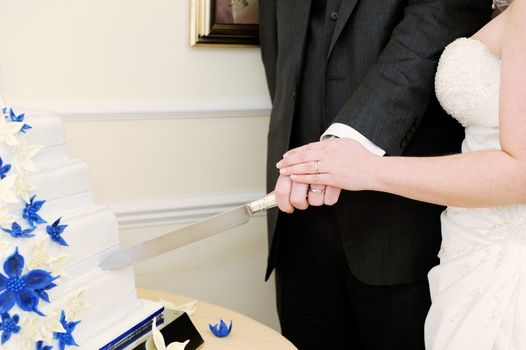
{"x": 19, "y": 119}
{"x": 55, "y": 230}
{"x": 17, "y": 232}
{"x": 4, "y": 169}
{"x": 9, "y": 326}
{"x": 30, "y": 212}
{"x": 42, "y": 293}
{"x": 221, "y": 330}
{"x": 66, "y": 339}
{"x": 16, "y": 118}
{"x": 20, "y": 289}
{"x": 41, "y": 346}
{"x": 25, "y": 128}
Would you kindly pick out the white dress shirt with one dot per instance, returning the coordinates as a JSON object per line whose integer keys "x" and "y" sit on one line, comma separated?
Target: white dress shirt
{"x": 345, "y": 131}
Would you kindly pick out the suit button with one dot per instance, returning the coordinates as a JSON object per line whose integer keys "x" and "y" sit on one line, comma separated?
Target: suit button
{"x": 334, "y": 15}
{"x": 293, "y": 95}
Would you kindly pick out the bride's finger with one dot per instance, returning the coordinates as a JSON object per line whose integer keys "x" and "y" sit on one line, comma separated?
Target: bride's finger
{"x": 300, "y": 157}
{"x": 303, "y": 168}
{"x": 321, "y": 179}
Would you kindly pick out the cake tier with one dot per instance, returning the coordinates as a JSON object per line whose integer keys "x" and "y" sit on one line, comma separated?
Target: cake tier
{"x": 126, "y": 328}
{"x": 91, "y": 233}
{"x": 99, "y": 299}
{"x": 58, "y": 181}
{"x": 47, "y": 131}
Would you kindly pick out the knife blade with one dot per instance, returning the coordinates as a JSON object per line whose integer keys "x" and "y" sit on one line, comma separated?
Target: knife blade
{"x": 187, "y": 234}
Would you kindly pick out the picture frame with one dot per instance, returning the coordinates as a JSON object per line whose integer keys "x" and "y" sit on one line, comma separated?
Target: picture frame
{"x": 229, "y": 23}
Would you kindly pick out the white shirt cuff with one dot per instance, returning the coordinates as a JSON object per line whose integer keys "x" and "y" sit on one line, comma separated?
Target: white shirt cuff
{"x": 345, "y": 131}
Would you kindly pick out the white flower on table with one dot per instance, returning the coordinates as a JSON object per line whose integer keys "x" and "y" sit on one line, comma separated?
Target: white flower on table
{"x": 8, "y": 132}
{"x": 157, "y": 341}
{"x": 189, "y": 307}
{"x": 23, "y": 154}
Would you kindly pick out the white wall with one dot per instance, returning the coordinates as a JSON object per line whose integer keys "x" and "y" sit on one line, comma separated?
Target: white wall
{"x": 171, "y": 133}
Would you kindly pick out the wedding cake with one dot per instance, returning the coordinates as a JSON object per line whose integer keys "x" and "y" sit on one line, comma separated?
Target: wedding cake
{"x": 53, "y": 295}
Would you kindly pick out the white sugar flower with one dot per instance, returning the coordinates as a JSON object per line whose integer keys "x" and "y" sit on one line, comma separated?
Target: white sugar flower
{"x": 7, "y": 189}
{"x": 23, "y": 187}
{"x": 39, "y": 258}
{"x": 5, "y": 218}
{"x": 75, "y": 304}
{"x": 24, "y": 154}
{"x": 8, "y": 132}
{"x": 35, "y": 328}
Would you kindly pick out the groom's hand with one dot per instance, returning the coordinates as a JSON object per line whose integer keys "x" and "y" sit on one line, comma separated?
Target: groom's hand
{"x": 291, "y": 195}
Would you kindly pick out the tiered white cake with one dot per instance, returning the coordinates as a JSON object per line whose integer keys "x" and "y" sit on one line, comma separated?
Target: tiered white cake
{"x": 53, "y": 295}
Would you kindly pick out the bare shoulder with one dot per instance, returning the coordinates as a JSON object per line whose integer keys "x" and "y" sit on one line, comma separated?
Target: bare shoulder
{"x": 513, "y": 42}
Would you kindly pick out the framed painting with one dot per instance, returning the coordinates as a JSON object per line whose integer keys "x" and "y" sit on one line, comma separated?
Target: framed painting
{"x": 224, "y": 22}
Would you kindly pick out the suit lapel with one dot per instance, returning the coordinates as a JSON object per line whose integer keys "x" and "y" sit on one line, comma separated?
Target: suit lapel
{"x": 346, "y": 9}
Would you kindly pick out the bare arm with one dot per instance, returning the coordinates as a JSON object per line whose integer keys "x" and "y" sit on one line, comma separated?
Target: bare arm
{"x": 478, "y": 179}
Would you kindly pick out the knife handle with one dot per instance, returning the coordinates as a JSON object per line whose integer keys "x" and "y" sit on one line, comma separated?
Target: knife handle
{"x": 267, "y": 202}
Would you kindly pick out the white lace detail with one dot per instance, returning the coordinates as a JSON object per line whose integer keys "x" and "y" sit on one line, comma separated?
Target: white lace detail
{"x": 468, "y": 72}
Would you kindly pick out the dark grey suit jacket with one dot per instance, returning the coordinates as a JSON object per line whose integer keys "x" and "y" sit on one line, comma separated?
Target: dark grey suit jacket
{"x": 379, "y": 80}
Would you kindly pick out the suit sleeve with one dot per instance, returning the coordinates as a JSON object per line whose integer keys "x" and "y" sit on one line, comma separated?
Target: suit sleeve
{"x": 390, "y": 102}
{"x": 269, "y": 42}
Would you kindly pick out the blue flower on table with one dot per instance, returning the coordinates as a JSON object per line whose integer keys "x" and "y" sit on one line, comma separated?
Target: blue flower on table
{"x": 41, "y": 346}
{"x": 17, "y": 232}
{"x": 4, "y": 169}
{"x": 8, "y": 326}
{"x": 55, "y": 230}
{"x": 221, "y": 330}
{"x": 66, "y": 338}
{"x": 18, "y": 119}
{"x": 21, "y": 289}
{"x": 30, "y": 212}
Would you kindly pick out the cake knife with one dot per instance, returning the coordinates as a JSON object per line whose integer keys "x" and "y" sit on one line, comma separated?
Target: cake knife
{"x": 187, "y": 234}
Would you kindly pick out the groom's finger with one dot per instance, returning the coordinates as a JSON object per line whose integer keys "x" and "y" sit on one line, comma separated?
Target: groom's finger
{"x": 316, "y": 195}
{"x": 298, "y": 195}
{"x": 282, "y": 191}
{"x": 332, "y": 194}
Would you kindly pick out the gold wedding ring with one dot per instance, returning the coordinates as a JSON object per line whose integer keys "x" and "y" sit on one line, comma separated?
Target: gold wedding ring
{"x": 317, "y": 190}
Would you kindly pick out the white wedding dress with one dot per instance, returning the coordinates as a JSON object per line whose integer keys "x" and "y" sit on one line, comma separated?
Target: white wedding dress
{"x": 479, "y": 288}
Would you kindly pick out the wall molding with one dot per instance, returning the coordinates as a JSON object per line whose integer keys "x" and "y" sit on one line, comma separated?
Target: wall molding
{"x": 182, "y": 211}
{"x": 125, "y": 110}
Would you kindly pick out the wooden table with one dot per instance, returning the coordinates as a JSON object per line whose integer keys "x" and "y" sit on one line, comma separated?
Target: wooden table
{"x": 247, "y": 334}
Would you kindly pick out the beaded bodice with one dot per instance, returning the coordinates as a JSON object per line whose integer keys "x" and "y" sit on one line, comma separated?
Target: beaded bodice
{"x": 467, "y": 86}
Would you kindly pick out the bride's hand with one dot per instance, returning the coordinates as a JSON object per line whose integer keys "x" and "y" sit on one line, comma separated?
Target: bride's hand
{"x": 341, "y": 163}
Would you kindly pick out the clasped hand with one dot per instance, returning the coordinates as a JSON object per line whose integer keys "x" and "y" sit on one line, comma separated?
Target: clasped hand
{"x": 316, "y": 173}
